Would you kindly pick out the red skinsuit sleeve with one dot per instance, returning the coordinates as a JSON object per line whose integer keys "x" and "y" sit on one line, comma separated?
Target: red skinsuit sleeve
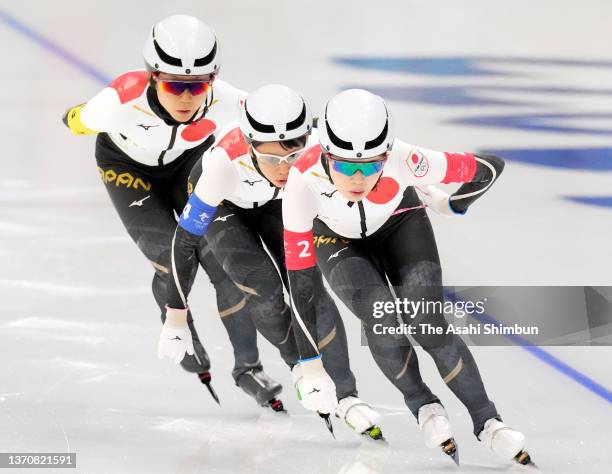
{"x": 460, "y": 167}
{"x": 233, "y": 143}
{"x": 130, "y": 85}
{"x": 299, "y": 250}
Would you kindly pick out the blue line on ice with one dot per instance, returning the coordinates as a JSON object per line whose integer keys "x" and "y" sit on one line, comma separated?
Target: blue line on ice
{"x": 546, "y": 357}
{"x": 53, "y": 47}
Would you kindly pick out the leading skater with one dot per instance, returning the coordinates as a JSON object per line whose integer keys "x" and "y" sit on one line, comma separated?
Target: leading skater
{"x": 152, "y": 127}
{"x": 357, "y": 188}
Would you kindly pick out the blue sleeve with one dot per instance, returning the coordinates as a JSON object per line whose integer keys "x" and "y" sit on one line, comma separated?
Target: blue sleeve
{"x": 196, "y": 215}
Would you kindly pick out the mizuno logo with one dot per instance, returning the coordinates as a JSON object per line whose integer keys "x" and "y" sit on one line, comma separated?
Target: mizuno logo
{"x": 329, "y": 195}
{"x": 146, "y": 127}
{"x": 140, "y": 201}
{"x": 176, "y": 338}
{"x": 224, "y": 218}
{"x": 314, "y": 390}
{"x": 334, "y": 255}
{"x": 251, "y": 183}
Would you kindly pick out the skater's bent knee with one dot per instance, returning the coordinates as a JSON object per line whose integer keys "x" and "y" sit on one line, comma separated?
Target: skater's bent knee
{"x": 159, "y": 267}
{"x": 404, "y": 369}
{"x": 453, "y": 373}
{"x": 327, "y": 339}
{"x": 233, "y": 309}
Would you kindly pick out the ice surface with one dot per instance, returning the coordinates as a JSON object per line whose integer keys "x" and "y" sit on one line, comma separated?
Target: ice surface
{"x": 79, "y": 328}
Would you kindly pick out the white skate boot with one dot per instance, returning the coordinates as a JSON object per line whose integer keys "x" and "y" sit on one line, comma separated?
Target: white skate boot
{"x": 504, "y": 441}
{"x": 437, "y": 431}
{"x": 360, "y": 417}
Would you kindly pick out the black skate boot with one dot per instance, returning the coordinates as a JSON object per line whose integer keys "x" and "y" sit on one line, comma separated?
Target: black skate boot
{"x": 257, "y": 384}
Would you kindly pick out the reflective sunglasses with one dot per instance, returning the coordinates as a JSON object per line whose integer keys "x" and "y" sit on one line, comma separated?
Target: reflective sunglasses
{"x": 276, "y": 160}
{"x": 178, "y": 87}
{"x": 349, "y": 168}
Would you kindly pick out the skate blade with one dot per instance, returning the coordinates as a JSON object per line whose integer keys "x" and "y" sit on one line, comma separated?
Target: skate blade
{"x": 374, "y": 433}
{"x": 328, "y": 423}
{"x": 213, "y": 394}
{"x": 523, "y": 459}
{"x": 450, "y": 448}
{"x": 206, "y": 379}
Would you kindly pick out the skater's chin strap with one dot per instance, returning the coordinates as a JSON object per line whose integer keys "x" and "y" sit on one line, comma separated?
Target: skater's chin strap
{"x": 258, "y": 169}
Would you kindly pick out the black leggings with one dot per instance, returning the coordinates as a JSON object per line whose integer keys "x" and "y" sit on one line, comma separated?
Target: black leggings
{"x": 235, "y": 236}
{"x": 147, "y": 199}
{"x": 404, "y": 252}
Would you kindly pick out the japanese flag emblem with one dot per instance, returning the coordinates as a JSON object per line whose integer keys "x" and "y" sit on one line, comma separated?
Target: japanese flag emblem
{"x": 417, "y": 163}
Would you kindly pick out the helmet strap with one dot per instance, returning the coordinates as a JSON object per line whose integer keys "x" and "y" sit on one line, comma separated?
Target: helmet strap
{"x": 380, "y": 177}
{"x": 207, "y": 103}
{"x": 152, "y": 82}
{"x": 377, "y": 181}
{"x": 256, "y": 165}
{"x": 325, "y": 164}
{"x": 157, "y": 108}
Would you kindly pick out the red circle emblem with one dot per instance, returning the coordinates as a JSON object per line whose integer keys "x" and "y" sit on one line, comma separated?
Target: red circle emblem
{"x": 386, "y": 190}
{"x": 198, "y": 130}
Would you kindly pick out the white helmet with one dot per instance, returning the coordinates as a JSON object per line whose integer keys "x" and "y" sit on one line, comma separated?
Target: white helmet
{"x": 274, "y": 113}
{"x": 182, "y": 44}
{"x": 356, "y": 124}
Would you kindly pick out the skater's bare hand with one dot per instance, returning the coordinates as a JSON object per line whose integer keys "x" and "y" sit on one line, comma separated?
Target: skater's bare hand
{"x": 175, "y": 338}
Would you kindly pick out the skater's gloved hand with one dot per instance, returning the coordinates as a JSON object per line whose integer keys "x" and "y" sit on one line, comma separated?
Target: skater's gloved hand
{"x": 72, "y": 120}
{"x": 437, "y": 200}
{"x": 315, "y": 389}
{"x": 175, "y": 338}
